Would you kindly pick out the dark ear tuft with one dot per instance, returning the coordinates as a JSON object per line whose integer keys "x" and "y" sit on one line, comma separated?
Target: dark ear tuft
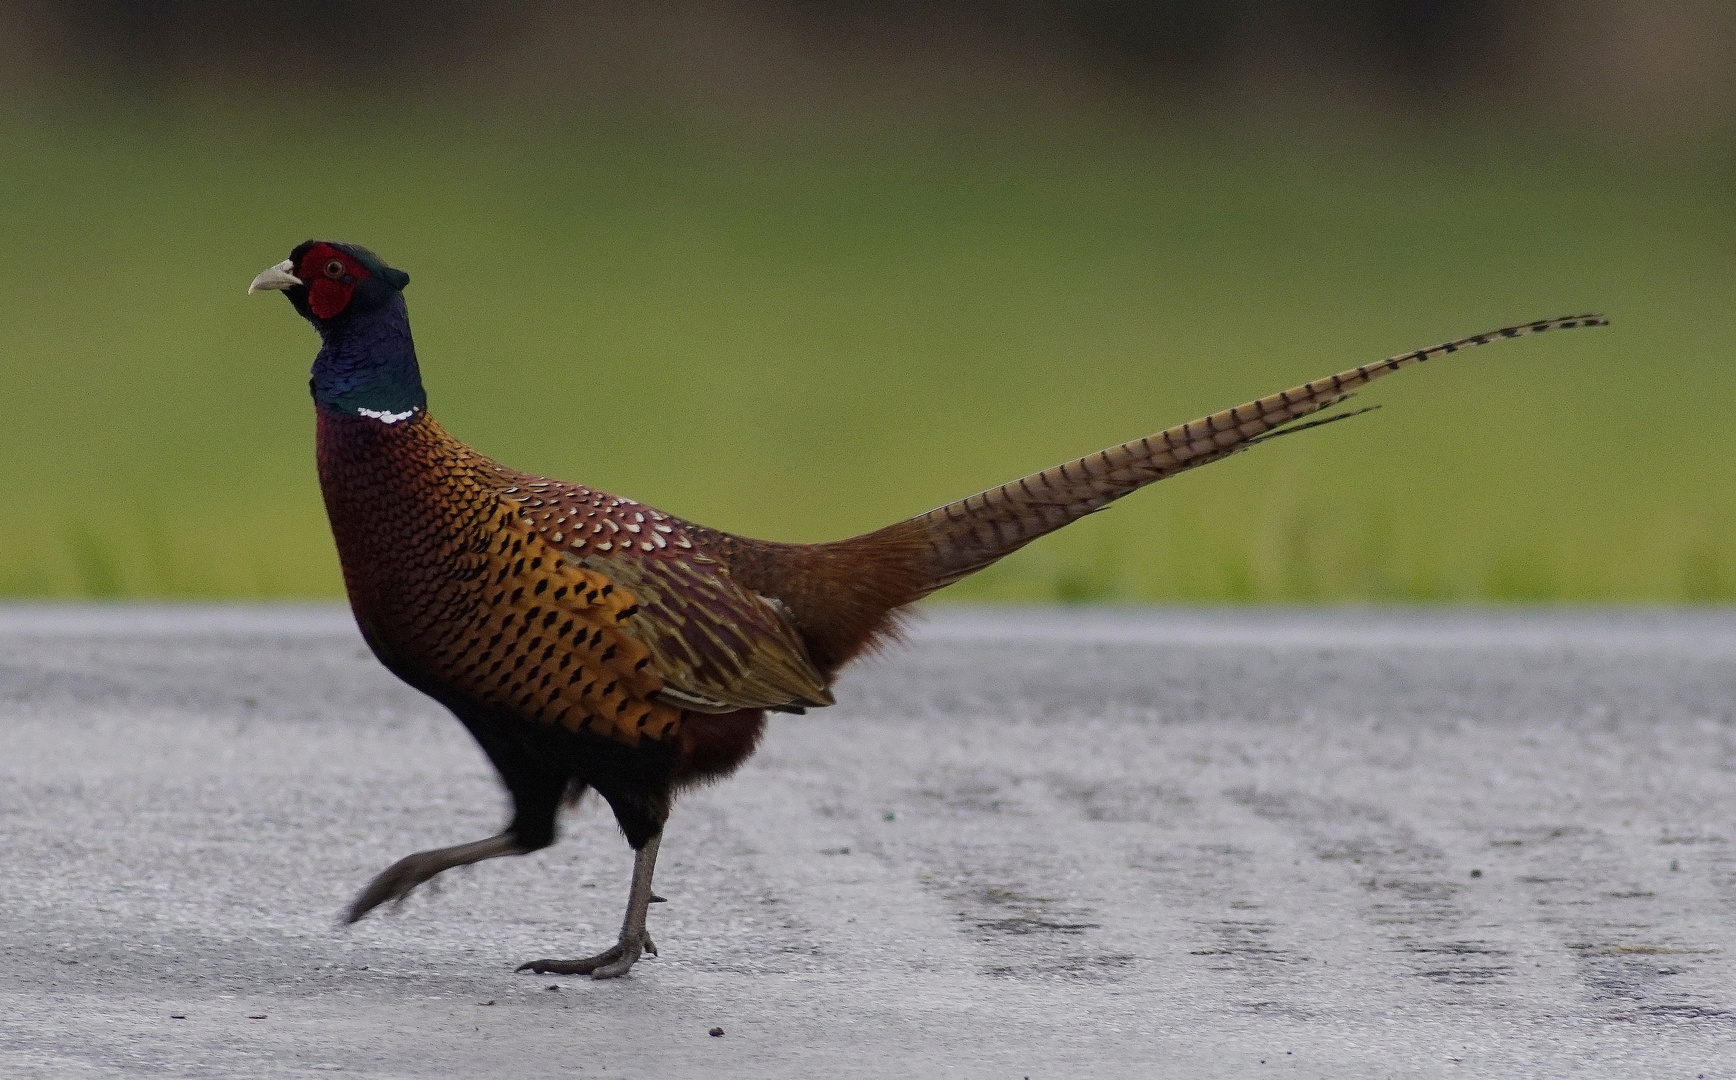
{"x": 397, "y": 278}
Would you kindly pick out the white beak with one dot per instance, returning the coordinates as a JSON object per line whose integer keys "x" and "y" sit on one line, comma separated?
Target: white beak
{"x": 276, "y": 277}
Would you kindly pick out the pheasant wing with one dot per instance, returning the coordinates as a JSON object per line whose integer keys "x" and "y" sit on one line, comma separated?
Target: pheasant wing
{"x": 716, "y": 645}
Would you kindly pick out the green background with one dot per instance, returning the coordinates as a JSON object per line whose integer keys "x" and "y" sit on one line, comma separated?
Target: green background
{"x": 802, "y": 335}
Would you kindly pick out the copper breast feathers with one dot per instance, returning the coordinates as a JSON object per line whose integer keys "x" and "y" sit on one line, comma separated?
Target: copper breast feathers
{"x": 566, "y": 606}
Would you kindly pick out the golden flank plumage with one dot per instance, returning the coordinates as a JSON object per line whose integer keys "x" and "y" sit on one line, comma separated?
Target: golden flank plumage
{"x": 588, "y": 641}
{"x": 716, "y": 646}
{"x": 562, "y": 605}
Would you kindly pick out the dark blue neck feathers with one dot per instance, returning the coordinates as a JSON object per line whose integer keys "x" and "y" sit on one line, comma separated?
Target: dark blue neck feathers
{"x": 367, "y": 366}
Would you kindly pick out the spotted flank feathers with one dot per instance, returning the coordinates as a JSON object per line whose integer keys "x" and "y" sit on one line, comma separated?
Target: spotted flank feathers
{"x": 717, "y": 646}
{"x": 553, "y": 602}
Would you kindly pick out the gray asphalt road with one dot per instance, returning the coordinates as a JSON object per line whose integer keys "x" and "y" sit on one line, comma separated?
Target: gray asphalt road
{"x": 1030, "y": 844}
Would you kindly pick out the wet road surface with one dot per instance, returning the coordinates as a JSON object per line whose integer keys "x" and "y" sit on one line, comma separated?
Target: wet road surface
{"x": 1029, "y": 843}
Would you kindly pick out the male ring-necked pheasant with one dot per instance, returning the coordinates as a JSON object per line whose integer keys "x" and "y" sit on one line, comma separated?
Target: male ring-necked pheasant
{"x": 589, "y": 641}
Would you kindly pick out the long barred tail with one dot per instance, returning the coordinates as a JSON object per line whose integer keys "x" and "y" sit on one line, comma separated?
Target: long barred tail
{"x": 967, "y": 535}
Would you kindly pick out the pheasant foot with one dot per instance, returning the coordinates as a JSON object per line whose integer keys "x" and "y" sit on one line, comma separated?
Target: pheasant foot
{"x": 635, "y": 941}
{"x": 396, "y": 881}
{"x": 611, "y": 963}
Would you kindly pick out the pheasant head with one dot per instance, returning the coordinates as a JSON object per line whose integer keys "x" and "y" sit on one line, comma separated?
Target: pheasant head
{"x": 367, "y": 363}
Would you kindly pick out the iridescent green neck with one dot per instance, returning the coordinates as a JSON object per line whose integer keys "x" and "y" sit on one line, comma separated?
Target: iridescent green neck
{"x": 367, "y": 366}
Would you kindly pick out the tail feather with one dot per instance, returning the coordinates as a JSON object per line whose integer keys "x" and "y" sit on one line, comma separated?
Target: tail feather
{"x": 1321, "y": 422}
{"x": 846, "y": 596}
{"x": 962, "y": 537}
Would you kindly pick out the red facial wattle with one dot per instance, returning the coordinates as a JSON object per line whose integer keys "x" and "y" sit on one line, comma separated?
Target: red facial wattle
{"x": 331, "y": 276}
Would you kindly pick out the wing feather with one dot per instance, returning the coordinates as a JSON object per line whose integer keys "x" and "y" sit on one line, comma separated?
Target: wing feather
{"x": 716, "y": 645}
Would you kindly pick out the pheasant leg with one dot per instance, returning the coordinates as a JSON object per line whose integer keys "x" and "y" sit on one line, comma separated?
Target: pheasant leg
{"x": 404, "y": 875}
{"x": 618, "y": 959}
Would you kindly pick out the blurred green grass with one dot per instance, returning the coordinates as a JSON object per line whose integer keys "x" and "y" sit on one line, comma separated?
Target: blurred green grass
{"x": 802, "y": 335}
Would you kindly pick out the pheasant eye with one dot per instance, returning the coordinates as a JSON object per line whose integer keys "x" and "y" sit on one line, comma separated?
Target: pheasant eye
{"x": 334, "y": 269}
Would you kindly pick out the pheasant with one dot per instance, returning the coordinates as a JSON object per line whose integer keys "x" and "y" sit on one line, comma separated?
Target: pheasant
{"x": 590, "y": 641}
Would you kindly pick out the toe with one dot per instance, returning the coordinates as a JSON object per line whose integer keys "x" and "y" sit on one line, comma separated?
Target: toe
{"x": 628, "y": 955}
{"x": 572, "y": 967}
{"x": 394, "y": 883}
{"x": 560, "y": 967}
{"x": 616, "y": 969}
